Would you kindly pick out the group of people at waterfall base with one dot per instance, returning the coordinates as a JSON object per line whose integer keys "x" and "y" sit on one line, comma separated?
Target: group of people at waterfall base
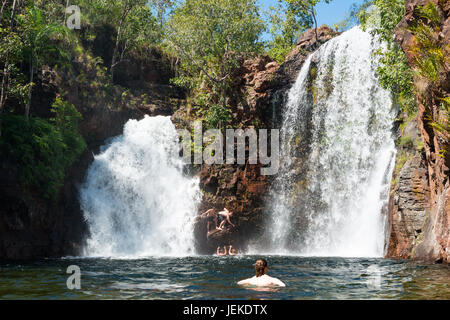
{"x": 261, "y": 279}
{"x": 217, "y": 222}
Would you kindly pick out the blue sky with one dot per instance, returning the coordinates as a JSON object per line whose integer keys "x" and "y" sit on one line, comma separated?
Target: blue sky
{"x": 329, "y": 14}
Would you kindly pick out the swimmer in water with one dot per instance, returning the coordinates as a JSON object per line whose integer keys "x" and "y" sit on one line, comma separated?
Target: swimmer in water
{"x": 232, "y": 251}
{"x": 224, "y": 253}
{"x": 261, "y": 279}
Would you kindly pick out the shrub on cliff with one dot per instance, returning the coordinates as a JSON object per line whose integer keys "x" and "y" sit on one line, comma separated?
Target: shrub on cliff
{"x": 41, "y": 149}
{"x": 394, "y": 72}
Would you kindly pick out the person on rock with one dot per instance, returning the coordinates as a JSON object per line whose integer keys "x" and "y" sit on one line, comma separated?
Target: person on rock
{"x": 219, "y": 253}
{"x": 211, "y": 215}
{"x": 261, "y": 279}
{"x": 224, "y": 217}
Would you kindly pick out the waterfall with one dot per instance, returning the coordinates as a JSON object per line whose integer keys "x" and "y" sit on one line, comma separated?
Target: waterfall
{"x": 337, "y": 155}
{"x": 136, "y": 200}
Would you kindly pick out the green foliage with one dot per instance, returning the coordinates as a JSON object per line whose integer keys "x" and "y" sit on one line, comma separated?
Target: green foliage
{"x": 440, "y": 123}
{"x": 40, "y": 39}
{"x": 212, "y": 37}
{"x": 41, "y": 149}
{"x": 419, "y": 145}
{"x": 36, "y": 35}
{"x": 215, "y": 115}
{"x": 184, "y": 81}
{"x": 286, "y": 26}
{"x": 66, "y": 119}
{"x": 429, "y": 58}
{"x": 135, "y": 27}
{"x": 40, "y": 42}
{"x": 11, "y": 59}
{"x": 161, "y": 7}
{"x": 395, "y": 75}
{"x": 394, "y": 72}
{"x": 278, "y": 49}
{"x": 305, "y": 9}
{"x": 140, "y": 29}
{"x": 428, "y": 12}
{"x": 384, "y": 17}
{"x": 429, "y": 54}
{"x": 405, "y": 141}
{"x": 288, "y": 20}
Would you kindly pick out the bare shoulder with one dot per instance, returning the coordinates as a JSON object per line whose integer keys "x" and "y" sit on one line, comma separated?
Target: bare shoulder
{"x": 263, "y": 281}
{"x": 276, "y": 282}
{"x": 248, "y": 281}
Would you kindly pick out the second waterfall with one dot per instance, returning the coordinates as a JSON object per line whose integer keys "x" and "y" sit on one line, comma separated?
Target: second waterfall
{"x": 136, "y": 199}
{"x": 337, "y": 155}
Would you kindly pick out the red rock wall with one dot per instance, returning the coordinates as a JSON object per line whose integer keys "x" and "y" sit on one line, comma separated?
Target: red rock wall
{"x": 408, "y": 208}
{"x": 433, "y": 245}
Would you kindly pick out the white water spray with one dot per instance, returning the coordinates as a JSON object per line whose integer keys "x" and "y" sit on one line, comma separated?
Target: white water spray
{"x": 136, "y": 200}
{"x": 337, "y": 155}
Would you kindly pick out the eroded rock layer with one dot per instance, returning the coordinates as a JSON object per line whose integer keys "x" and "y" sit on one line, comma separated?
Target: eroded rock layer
{"x": 419, "y": 209}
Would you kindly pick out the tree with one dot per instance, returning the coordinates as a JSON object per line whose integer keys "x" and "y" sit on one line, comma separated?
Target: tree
{"x": 7, "y": 52}
{"x": 39, "y": 40}
{"x": 2, "y": 8}
{"x": 394, "y": 72}
{"x": 285, "y": 28}
{"x": 161, "y": 7}
{"x": 132, "y": 20}
{"x": 125, "y": 8}
{"x": 210, "y": 36}
{"x": 305, "y": 8}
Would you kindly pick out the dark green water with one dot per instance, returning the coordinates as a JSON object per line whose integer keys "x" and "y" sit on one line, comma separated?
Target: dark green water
{"x": 216, "y": 277}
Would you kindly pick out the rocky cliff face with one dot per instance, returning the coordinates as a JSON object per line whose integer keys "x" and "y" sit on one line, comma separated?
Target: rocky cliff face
{"x": 408, "y": 208}
{"x": 242, "y": 189}
{"x": 419, "y": 210}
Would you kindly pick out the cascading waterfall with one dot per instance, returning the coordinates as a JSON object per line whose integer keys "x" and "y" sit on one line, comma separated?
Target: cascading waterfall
{"x": 136, "y": 200}
{"x": 337, "y": 154}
